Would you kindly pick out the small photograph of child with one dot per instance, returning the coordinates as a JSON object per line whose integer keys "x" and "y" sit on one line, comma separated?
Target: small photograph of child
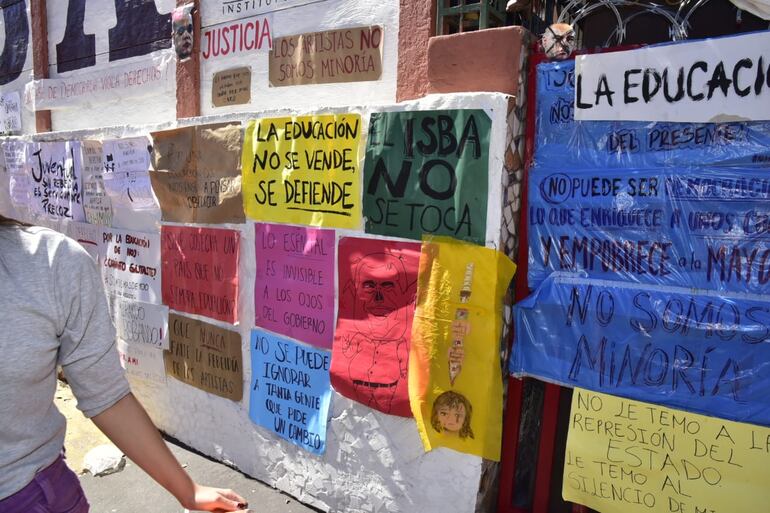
{"x": 452, "y": 414}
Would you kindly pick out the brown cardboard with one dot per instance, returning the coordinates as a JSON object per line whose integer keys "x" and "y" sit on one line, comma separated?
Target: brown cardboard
{"x": 231, "y": 87}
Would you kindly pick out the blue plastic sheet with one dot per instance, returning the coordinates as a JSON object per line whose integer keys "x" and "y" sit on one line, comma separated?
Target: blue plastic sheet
{"x": 704, "y": 352}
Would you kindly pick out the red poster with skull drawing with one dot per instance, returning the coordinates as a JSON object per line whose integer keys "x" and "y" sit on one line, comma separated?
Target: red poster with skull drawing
{"x": 370, "y": 357}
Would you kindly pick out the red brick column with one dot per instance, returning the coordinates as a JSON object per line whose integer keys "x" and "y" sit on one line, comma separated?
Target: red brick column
{"x": 39, "y": 29}
{"x": 188, "y": 76}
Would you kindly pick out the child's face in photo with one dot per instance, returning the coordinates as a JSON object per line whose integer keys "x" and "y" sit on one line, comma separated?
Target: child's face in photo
{"x": 451, "y": 418}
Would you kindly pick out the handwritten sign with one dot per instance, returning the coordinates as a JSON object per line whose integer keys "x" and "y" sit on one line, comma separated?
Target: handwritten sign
{"x": 303, "y": 170}
{"x": 343, "y": 55}
{"x": 626, "y": 456}
{"x": 697, "y": 351}
{"x": 142, "y": 362}
{"x": 254, "y": 36}
{"x": 87, "y": 235}
{"x": 130, "y": 265}
{"x": 56, "y": 170}
{"x": 19, "y": 179}
{"x": 10, "y": 113}
{"x": 200, "y": 269}
{"x": 137, "y": 322}
{"x": 700, "y": 81}
{"x": 290, "y": 392}
{"x": 377, "y": 287}
{"x": 96, "y": 202}
{"x": 205, "y": 356}
{"x": 126, "y": 177}
{"x": 196, "y": 173}
{"x": 426, "y": 172}
{"x": 294, "y": 288}
{"x": 231, "y": 87}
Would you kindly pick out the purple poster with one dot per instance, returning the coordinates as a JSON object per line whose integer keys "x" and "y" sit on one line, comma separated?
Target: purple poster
{"x": 294, "y": 289}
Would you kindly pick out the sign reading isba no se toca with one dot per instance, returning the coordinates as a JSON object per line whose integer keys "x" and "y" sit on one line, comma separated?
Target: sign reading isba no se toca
{"x": 712, "y": 80}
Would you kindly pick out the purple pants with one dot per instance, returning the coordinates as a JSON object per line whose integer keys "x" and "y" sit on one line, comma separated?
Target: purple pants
{"x": 55, "y": 489}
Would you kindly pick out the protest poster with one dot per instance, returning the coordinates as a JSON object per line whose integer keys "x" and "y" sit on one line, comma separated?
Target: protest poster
{"x": 699, "y": 351}
{"x": 303, "y": 170}
{"x": 426, "y": 172}
{"x": 455, "y": 381}
{"x": 370, "y": 356}
{"x": 725, "y": 80}
{"x": 196, "y": 173}
{"x": 140, "y": 323}
{"x": 343, "y": 55}
{"x": 130, "y": 265}
{"x": 19, "y": 180}
{"x": 126, "y": 173}
{"x": 96, "y": 202}
{"x": 205, "y": 356}
{"x": 87, "y": 235}
{"x": 200, "y": 269}
{"x": 142, "y": 362}
{"x": 56, "y": 169}
{"x": 294, "y": 287}
{"x": 231, "y": 87}
{"x": 626, "y": 456}
{"x": 10, "y": 113}
{"x": 290, "y": 392}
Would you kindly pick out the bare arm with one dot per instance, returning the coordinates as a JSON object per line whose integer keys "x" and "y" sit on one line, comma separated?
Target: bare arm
{"x": 128, "y": 426}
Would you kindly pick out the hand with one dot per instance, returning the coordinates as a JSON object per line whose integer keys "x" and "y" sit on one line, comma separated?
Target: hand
{"x": 215, "y": 499}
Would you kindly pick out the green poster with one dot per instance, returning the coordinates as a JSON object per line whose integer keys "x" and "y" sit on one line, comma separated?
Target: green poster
{"x": 426, "y": 172}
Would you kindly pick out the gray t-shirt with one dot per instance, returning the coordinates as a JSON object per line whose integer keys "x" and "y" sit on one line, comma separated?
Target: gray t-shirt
{"x": 52, "y": 311}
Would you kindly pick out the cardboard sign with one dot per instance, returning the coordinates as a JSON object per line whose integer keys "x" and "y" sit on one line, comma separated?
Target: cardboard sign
{"x": 130, "y": 266}
{"x": 426, "y": 172}
{"x": 290, "y": 392}
{"x": 303, "y": 170}
{"x": 711, "y": 80}
{"x": 377, "y": 287}
{"x": 205, "y": 356}
{"x": 200, "y": 269}
{"x": 96, "y": 202}
{"x": 626, "y": 456}
{"x": 294, "y": 288}
{"x": 196, "y": 173}
{"x": 231, "y": 87}
{"x": 455, "y": 382}
{"x": 343, "y": 55}
{"x": 140, "y": 323}
{"x": 142, "y": 362}
{"x": 56, "y": 169}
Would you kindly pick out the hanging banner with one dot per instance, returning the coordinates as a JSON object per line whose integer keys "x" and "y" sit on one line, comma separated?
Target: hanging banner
{"x": 137, "y": 322}
{"x": 130, "y": 265}
{"x": 290, "y": 392}
{"x": 626, "y": 456}
{"x": 711, "y": 80}
{"x": 455, "y": 382}
{"x": 20, "y": 179}
{"x": 96, "y": 202}
{"x": 377, "y": 287}
{"x": 698, "y": 351}
{"x": 196, "y": 173}
{"x": 426, "y": 172}
{"x": 200, "y": 269}
{"x": 240, "y": 39}
{"x": 294, "y": 287}
{"x": 205, "y": 356}
{"x": 56, "y": 169}
{"x": 303, "y": 170}
{"x": 142, "y": 362}
{"x": 153, "y": 75}
{"x": 341, "y": 55}
{"x": 218, "y": 12}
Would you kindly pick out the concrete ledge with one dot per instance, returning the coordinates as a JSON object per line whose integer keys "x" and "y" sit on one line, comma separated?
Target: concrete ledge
{"x": 484, "y": 60}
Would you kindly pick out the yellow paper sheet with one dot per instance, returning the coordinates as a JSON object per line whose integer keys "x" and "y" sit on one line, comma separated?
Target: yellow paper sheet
{"x": 455, "y": 382}
{"x": 626, "y": 456}
{"x": 303, "y": 170}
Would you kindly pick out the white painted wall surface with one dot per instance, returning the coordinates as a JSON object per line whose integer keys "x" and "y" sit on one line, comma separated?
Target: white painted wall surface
{"x": 27, "y": 74}
{"x": 298, "y": 17}
{"x": 373, "y": 462}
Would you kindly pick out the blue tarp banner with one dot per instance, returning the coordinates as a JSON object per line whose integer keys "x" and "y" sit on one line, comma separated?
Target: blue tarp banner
{"x": 704, "y": 352}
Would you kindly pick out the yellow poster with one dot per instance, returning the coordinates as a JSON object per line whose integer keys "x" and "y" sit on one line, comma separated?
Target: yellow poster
{"x": 627, "y": 456}
{"x": 455, "y": 382}
{"x": 303, "y": 170}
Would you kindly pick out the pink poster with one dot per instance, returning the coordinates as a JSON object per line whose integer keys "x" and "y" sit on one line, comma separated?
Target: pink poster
{"x": 294, "y": 289}
{"x": 370, "y": 357}
{"x": 200, "y": 271}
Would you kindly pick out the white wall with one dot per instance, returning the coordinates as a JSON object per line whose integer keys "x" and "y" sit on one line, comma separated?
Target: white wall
{"x": 373, "y": 462}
